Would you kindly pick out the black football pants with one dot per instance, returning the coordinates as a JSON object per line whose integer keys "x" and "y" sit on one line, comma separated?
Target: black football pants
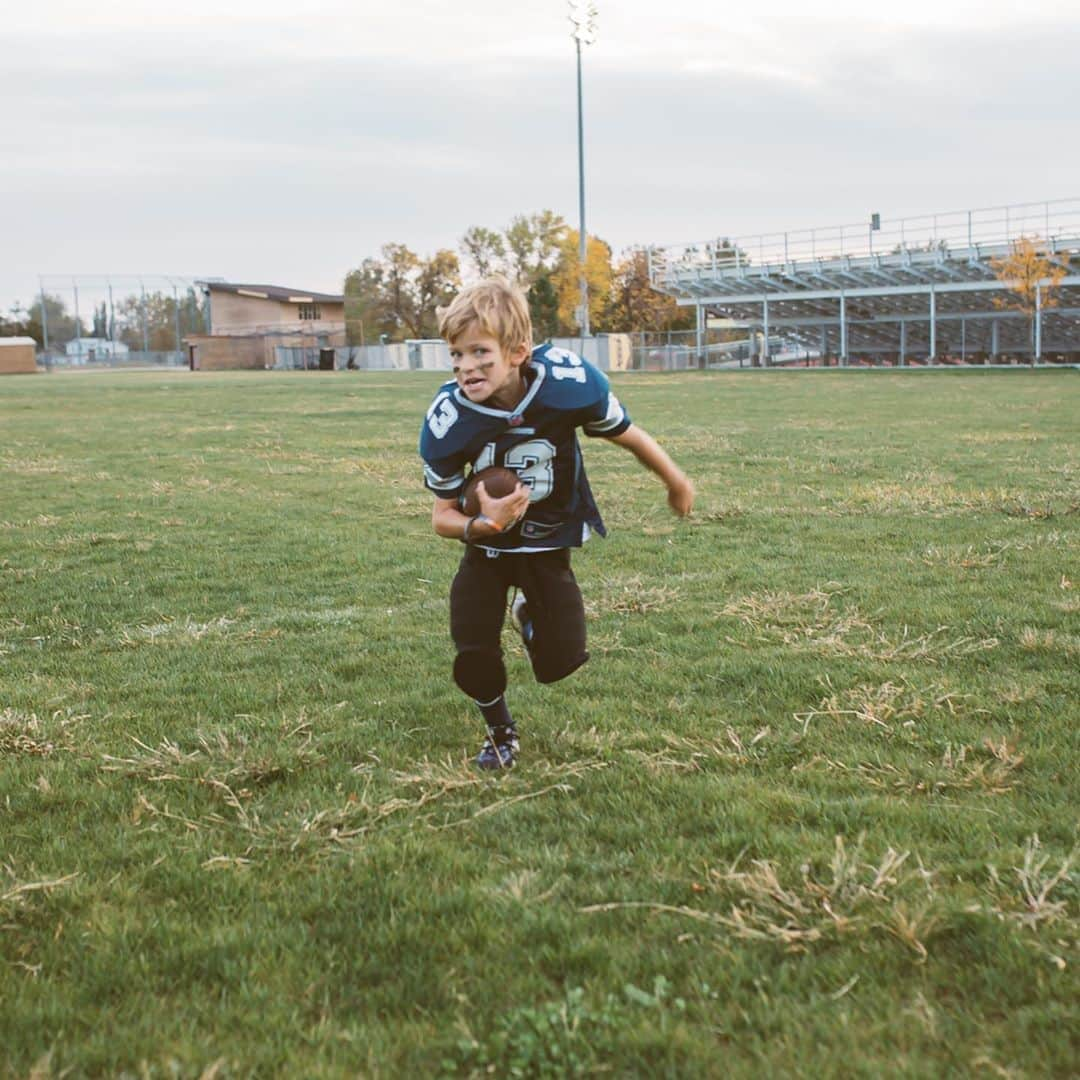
{"x": 478, "y": 609}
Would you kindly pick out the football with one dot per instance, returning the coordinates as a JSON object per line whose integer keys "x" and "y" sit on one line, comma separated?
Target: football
{"x": 498, "y": 481}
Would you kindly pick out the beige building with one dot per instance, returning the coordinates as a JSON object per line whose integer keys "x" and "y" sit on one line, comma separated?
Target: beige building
{"x": 17, "y": 355}
{"x": 248, "y": 322}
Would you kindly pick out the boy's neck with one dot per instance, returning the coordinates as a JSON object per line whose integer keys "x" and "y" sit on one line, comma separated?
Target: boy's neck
{"x": 514, "y": 395}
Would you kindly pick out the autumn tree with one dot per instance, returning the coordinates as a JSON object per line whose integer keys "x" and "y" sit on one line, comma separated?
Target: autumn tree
{"x": 634, "y": 304}
{"x": 399, "y": 294}
{"x": 567, "y": 280}
{"x": 1032, "y": 279}
{"x": 437, "y": 280}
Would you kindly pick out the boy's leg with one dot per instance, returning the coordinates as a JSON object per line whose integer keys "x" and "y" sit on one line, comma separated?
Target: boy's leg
{"x": 477, "y": 611}
{"x": 556, "y": 611}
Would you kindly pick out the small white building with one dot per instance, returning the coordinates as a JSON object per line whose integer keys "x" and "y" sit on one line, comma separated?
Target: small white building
{"x": 82, "y": 349}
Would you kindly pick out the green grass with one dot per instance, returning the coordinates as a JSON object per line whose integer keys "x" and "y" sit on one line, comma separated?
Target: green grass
{"x": 810, "y": 809}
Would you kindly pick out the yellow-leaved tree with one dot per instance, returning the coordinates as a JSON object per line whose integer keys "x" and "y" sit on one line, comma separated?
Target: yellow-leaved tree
{"x": 565, "y": 278}
{"x": 1032, "y": 279}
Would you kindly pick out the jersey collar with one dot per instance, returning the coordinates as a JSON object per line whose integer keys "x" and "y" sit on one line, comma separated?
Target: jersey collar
{"x": 534, "y": 388}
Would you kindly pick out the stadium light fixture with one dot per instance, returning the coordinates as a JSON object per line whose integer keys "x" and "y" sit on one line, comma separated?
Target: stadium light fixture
{"x": 583, "y": 20}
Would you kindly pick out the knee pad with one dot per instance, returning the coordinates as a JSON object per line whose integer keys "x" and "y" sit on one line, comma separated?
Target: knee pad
{"x": 480, "y": 673}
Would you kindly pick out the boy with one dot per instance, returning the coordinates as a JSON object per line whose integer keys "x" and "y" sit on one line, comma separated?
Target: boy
{"x": 520, "y": 407}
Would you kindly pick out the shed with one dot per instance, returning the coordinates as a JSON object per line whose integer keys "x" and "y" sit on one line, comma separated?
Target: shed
{"x": 17, "y": 355}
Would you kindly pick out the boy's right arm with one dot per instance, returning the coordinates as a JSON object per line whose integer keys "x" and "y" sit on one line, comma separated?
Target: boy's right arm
{"x": 496, "y": 515}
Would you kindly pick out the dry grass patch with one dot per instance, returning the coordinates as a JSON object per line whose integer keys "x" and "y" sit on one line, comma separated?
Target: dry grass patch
{"x": 789, "y": 617}
{"x": 991, "y": 438}
{"x": 801, "y": 908}
{"x": 966, "y": 558}
{"x": 717, "y": 514}
{"x": 22, "y": 734}
{"x": 318, "y": 831}
{"x": 15, "y": 894}
{"x": 811, "y": 621}
{"x": 1034, "y": 640}
{"x": 41, "y": 521}
{"x": 886, "y": 705}
{"x": 923, "y": 498}
{"x": 35, "y": 466}
{"x": 988, "y": 769}
{"x": 1038, "y": 896}
{"x": 1022, "y": 508}
{"x": 175, "y": 630}
{"x": 223, "y": 486}
{"x": 524, "y": 888}
{"x": 932, "y": 647}
{"x": 628, "y": 596}
{"x": 692, "y": 755}
{"x": 217, "y": 761}
{"x": 605, "y": 641}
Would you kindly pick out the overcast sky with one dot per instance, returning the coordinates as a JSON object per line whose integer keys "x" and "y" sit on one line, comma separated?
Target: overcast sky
{"x": 282, "y": 142}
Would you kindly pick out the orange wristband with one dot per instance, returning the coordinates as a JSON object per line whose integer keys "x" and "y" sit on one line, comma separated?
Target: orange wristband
{"x": 466, "y": 538}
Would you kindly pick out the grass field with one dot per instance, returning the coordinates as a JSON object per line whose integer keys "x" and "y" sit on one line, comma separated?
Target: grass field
{"x": 810, "y": 810}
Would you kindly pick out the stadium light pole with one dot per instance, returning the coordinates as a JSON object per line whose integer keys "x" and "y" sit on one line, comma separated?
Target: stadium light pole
{"x": 583, "y": 20}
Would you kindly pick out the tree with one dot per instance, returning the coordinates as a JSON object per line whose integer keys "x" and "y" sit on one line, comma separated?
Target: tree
{"x": 365, "y": 313}
{"x": 485, "y": 250}
{"x": 567, "y": 281}
{"x": 152, "y": 320}
{"x": 399, "y": 268}
{"x": 635, "y": 305}
{"x": 544, "y": 307}
{"x": 535, "y": 243}
{"x": 437, "y": 281}
{"x": 12, "y": 325}
{"x": 61, "y": 326}
{"x": 399, "y": 294}
{"x": 1032, "y": 279}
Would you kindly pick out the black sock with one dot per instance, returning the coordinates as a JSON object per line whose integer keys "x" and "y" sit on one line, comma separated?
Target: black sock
{"x": 497, "y": 716}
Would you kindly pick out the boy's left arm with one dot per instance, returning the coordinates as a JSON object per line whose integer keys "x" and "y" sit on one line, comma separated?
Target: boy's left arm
{"x": 655, "y": 458}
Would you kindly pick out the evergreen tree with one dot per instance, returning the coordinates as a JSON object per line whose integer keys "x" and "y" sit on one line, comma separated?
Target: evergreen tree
{"x": 544, "y": 308}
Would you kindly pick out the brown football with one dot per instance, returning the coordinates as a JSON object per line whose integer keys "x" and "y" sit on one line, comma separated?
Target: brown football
{"x": 498, "y": 481}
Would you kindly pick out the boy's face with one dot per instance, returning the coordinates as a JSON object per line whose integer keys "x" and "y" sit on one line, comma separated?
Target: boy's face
{"x": 486, "y": 373}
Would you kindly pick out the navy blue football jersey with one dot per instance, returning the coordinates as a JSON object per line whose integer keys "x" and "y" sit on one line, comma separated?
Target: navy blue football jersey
{"x": 538, "y": 440}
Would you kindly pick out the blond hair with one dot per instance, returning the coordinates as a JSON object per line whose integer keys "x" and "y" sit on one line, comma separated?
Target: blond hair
{"x": 496, "y": 306}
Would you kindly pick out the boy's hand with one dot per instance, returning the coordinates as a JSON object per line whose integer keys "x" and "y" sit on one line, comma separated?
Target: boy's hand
{"x": 680, "y": 496}
{"x": 506, "y": 511}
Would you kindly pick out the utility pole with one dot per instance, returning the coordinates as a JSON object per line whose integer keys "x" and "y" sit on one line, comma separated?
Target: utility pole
{"x": 583, "y": 20}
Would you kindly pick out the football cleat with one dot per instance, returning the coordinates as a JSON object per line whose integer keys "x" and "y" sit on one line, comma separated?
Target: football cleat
{"x": 498, "y": 753}
{"x": 519, "y": 616}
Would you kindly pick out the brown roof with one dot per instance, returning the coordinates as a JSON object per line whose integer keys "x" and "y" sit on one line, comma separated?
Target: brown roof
{"x": 274, "y": 292}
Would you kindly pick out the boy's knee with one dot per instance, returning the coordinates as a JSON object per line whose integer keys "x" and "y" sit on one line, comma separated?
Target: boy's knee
{"x": 480, "y": 673}
{"x": 549, "y": 669}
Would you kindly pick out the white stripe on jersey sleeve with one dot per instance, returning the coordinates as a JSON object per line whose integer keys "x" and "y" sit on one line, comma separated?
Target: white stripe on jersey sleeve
{"x": 440, "y": 484}
{"x": 615, "y": 416}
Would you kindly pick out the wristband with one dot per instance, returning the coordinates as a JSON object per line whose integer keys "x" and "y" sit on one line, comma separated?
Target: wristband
{"x": 473, "y": 520}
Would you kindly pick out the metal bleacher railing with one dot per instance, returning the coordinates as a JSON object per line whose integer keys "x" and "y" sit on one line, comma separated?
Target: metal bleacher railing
{"x": 977, "y": 233}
